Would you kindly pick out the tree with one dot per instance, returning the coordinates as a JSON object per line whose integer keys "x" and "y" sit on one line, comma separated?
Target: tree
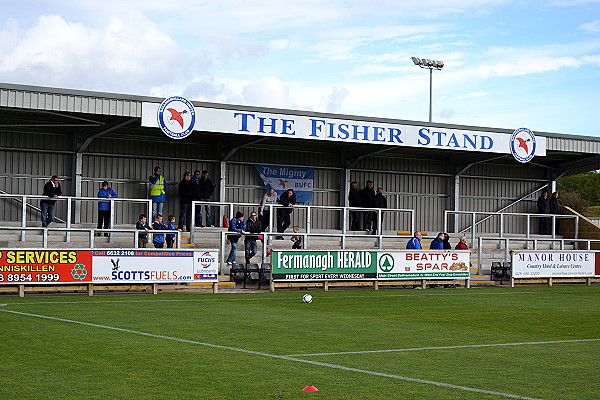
{"x": 586, "y": 185}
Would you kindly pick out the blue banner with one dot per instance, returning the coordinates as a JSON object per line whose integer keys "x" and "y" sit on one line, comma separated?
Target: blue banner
{"x": 284, "y": 178}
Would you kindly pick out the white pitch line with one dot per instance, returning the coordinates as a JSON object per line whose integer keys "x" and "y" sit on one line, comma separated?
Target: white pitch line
{"x": 443, "y": 347}
{"x": 276, "y": 298}
{"x": 287, "y": 358}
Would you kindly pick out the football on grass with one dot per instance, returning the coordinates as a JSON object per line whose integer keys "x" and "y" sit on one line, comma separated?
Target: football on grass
{"x": 307, "y": 298}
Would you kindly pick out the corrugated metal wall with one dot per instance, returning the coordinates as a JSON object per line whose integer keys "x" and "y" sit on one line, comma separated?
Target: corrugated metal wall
{"x": 69, "y": 102}
{"x": 409, "y": 183}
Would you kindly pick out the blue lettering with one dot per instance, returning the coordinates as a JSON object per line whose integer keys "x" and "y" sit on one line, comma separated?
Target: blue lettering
{"x": 377, "y": 132}
{"x": 490, "y": 143}
{"x": 439, "y": 143}
{"x": 395, "y": 135}
{"x": 244, "y": 121}
{"x": 453, "y": 140}
{"x": 287, "y": 125}
{"x": 331, "y": 126}
{"x": 344, "y": 129}
{"x": 315, "y": 128}
{"x": 472, "y": 142}
{"x": 424, "y": 133}
{"x": 365, "y": 132}
{"x": 262, "y": 124}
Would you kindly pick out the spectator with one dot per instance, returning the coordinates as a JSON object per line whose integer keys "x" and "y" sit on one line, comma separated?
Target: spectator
{"x": 142, "y": 225}
{"x": 237, "y": 225}
{"x": 158, "y": 192}
{"x": 446, "y": 242}
{"x": 415, "y": 242}
{"x": 462, "y": 244}
{"x": 379, "y": 201}
{"x": 171, "y": 236}
{"x": 555, "y": 208}
{"x": 253, "y": 228}
{"x": 188, "y": 190}
{"x": 205, "y": 191}
{"x": 367, "y": 195}
{"x": 105, "y": 192}
{"x": 298, "y": 242}
{"x": 265, "y": 213}
{"x": 543, "y": 206}
{"x": 287, "y": 199}
{"x": 354, "y": 200}
{"x": 438, "y": 242}
{"x": 159, "y": 240}
{"x": 52, "y": 190}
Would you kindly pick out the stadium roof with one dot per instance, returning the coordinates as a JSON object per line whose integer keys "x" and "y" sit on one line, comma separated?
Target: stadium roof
{"x": 87, "y": 115}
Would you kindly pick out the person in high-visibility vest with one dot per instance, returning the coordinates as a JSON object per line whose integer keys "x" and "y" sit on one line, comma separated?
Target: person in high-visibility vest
{"x": 158, "y": 192}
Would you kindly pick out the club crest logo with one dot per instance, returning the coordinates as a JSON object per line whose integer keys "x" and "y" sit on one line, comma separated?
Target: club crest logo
{"x": 522, "y": 145}
{"x": 176, "y": 117}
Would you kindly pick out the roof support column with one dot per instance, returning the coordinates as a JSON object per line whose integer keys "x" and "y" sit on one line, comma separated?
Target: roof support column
{"x": 454, "y": 202}
{"x": 222, "y": 183}
{"x": 76, "y": 183}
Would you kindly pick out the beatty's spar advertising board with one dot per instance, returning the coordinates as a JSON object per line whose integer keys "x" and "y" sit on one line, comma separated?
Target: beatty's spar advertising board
{"x": 369, "y": 265}
{"x": 24, "y": 266}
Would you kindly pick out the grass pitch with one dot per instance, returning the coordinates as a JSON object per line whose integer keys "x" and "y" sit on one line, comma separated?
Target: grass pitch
{"x": 492, "y": 343}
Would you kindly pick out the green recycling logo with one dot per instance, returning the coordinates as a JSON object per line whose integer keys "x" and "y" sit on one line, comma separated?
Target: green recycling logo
{"x": 79, "y": 272}
{"x": 386, "y": 262}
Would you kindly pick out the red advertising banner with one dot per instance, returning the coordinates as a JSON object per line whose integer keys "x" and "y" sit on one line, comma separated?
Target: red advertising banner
{"x": 28, "y": 266}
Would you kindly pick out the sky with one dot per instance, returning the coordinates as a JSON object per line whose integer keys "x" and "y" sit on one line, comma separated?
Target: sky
{"x": 507, "y": 64}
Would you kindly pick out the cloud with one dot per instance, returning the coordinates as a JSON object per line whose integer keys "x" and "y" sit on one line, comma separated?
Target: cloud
{"x": 267, "y": 92}
{"x": 446, "y": 113}
{"x": 333, "y": 101}
{"x": 591, "y": 27}
{"x": 125, "y": 55}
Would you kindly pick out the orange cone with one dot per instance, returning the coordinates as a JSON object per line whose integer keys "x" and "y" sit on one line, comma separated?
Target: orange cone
{"x": 310, "y": 388}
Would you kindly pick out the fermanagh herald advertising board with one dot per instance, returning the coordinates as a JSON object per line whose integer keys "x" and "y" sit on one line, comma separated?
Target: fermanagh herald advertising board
{"x": 369, "y": 265}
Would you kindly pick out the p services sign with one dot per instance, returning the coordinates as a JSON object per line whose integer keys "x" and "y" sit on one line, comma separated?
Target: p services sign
{"x": 296, "y": 126}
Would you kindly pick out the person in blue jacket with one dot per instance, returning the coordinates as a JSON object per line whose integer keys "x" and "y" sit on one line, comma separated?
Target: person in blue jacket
{"x": 438, "y": 242}
{"x": 415, "y": 242}
{"x": 171, "y": 236}
{"x": 237, "y": 224}
{"x": 159, "y": 240}
{"x": 105, "y": 192}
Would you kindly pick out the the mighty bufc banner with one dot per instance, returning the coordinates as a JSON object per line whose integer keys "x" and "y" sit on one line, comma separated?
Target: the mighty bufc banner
{"x": 280, "y": 178}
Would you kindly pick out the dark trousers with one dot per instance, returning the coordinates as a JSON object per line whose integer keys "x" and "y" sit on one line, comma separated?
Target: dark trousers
{"x": 544, "y": 226}
{"x": 368, "y": 220}
{"x": 47, "y": 213}
{"x": 251, "y": 247}
{"x": 283, "y": 221}
{"x": 199, "y": 208}
{"x": 170, "y": 242}
{"x": 103, "y": 219}
{"x": 265, "y": 220}
{"x": 185, "y": 216}
{"x": 355, "y": 220}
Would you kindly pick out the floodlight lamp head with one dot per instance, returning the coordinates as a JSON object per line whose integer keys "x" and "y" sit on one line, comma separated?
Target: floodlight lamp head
{"x": 430, "y": 63}
{"x": 439, "y": 64}
{"x": 416, "y": 61}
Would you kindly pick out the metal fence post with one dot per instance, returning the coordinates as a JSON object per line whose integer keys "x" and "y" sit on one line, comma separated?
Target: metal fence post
{"x": 69, "y": 210}
{"x": 473, "y": 228}
{"x": 23, "y": 217}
